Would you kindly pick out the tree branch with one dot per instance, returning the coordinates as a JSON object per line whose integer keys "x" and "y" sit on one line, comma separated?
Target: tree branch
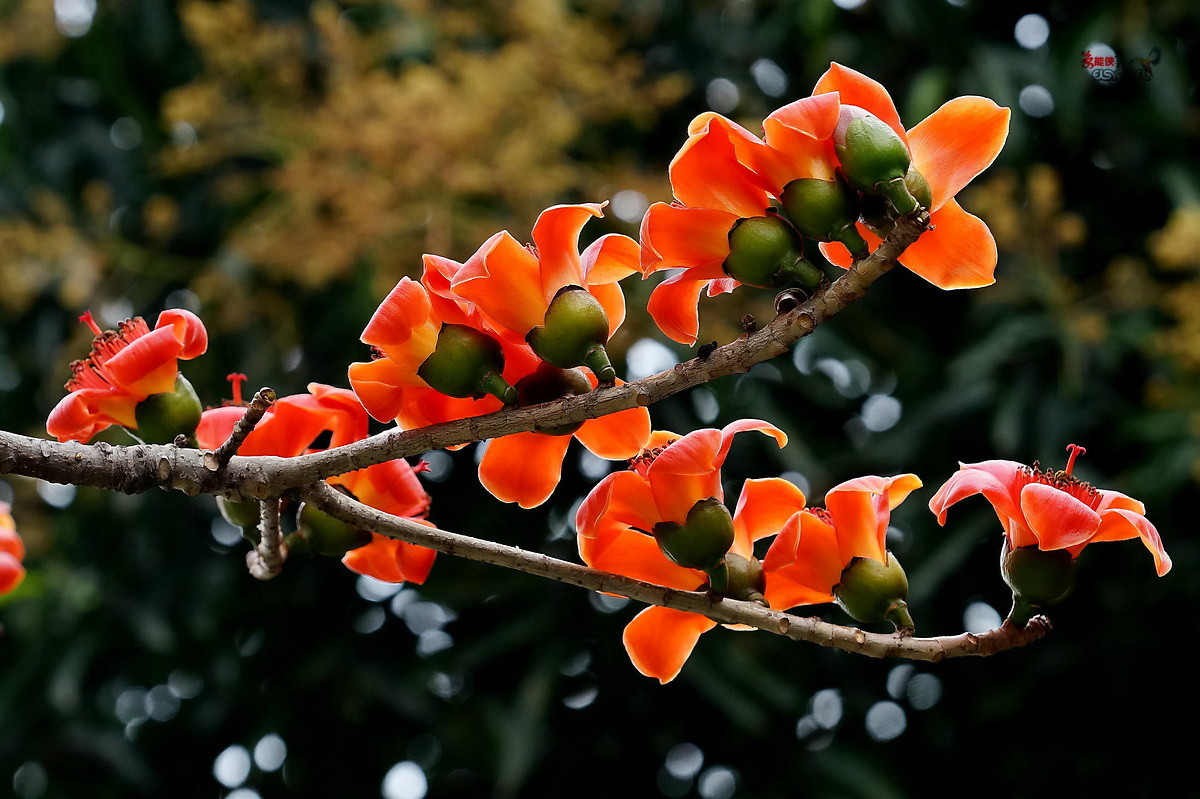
{"x": 244, "y": 427}
{"x": 725, "y": 611}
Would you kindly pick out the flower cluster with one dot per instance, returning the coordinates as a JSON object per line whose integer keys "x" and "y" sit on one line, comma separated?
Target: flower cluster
{"x": 837, "y": 168}
{"x": 12, "y": 552}
{"x": 512, "y": 325}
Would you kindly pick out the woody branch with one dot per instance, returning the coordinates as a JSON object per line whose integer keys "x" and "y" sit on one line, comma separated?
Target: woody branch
{"x": 135, "y": 469}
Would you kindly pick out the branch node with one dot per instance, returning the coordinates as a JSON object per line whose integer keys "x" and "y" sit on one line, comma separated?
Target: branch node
{"x": 255, "y": 411}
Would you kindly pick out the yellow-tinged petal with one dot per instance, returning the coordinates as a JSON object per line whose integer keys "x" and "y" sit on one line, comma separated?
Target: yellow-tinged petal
{"x": 957, "y": 142}
{"x": 660, "y": 640}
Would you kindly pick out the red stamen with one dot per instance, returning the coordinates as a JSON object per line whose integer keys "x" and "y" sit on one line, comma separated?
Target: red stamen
{"x": 422, "y": 466}
{"x": 87, "y": 319}
{"x": 1075, "y": 451}
{"x": 640, "y": 463}
{"x": 821, "y": 513}
{"x": 236, "y": 379}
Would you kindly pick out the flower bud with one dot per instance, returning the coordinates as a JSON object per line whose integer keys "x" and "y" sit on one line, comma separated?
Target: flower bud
{"x": 467, "y": 363}
{"x": 162, "y": 417}
{"x": 574, "y": 333}
{"x": 1037, "y": 578}
{"x": 702, "y": 540}
{"x": 871, "y": 591}
{"x": 549, "y": 383}
{"x": 873, "y": 156}
{"x": 825, "y": 210}
{"x": 319, "y": 533}
{"x": 766, "y": 252}
{"x": 741, "y": 578}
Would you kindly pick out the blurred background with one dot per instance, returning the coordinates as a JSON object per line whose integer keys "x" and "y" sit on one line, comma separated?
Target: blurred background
{"x": 276, "y": 165}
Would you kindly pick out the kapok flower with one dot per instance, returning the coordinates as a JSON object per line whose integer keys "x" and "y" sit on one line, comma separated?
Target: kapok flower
{"x": 949, "y": 148}
{"x": 125, "y": 367}
{"x": 290, "y": 427}
{"x": 1051, "y": 510}
{"x": 819, "y": 552}
{"x": 12, "y": 552}
{"x": 617, "y": 520}
{"x": 564, "y": 304}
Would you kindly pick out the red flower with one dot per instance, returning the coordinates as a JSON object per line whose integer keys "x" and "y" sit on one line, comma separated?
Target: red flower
{"x": 1051, "y": 510}
{"x": 124, "y": 367}
{"x": 806, "y": 561}
{"x": 290, "y": 427}
{"x": 662, "y": 486}
{"x": 12, "y": 552}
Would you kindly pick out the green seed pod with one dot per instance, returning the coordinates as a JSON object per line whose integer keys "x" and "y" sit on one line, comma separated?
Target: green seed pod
{"x": 551, "y": 383}
{"x": 1038, "y": 579}
{"x": 574, "y": 333}
{"x": 702, "y": 540}
{"x": 162, "y": 417}
{"x": 871, "y": 591}
{"x": 325, "y": 535}
{"x": 825, "y": 210}
{"x": 239, "y": 514}
{"x": 768, "y": 253}
{"x": 874, "y": 158}
{"x": 467, "y": 363}
{"x": 741, "y": 578}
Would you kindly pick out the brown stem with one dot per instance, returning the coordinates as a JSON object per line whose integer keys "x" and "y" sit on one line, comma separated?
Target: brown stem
{"x": 219, "y": 458}
{"x": 725, "y": 611}
{"x": 266, "y": 560}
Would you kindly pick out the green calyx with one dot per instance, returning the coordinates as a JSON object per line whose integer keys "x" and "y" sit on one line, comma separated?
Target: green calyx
{"x": 825, "y": 210}
{"x": 243, "y": 515}
{"x": 871, "y": 591}
{"x": 467, "y": 363}
{"x": 574, "y": 333}
{"x": 162, "y": 417}
{"x": 321, "y": 534}
{"x": 1038, "y": 579}
{"x": 768, "y": 253}
{"x": 703, "y": 539}
{"x": 741, "y": 578}
{"x": 549, "y": 383}
{"x": 873, "y": 156}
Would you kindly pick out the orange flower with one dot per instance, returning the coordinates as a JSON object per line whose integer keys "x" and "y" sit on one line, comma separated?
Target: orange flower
{"x": 12, "y": 552}
{"x": 125, "y": 367}
{"x": 1051, "y": 510}
{"x": 290, "y": 427}
{"x": 949, "y": 148}
{"x": 805, "y": 563}
{"x": 662, "y": 485}
{"x": 503, "y": 291}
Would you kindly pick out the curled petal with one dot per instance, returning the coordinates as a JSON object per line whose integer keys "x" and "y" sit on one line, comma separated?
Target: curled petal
{"x": 617, "y": 436}
{"x": 188, "y": 329}
{"x": 1117, "y": 500}
{"x": 1120, "y": 524}
{"x": 619, "y": 501}
{"x": 404, "y": 312}
{"x": 803, "y": 563}
{"x": 85, "y": 412}
{"x": 556, "y": 235}
{"x": 149, "y": 365}
{"x": 957, "y": 142}
{"x": 763, "y": 508}
{"x": 706, "y": 172}
{"x": 392, "y": 487}
{"x": 504, "y": 281}
{"x": 816, "y": 117}
{"x": 861, "y": 509}
{"x": 609, "y": 259}
{"x": 391, "y": 561}
{"x": 523, "y": 467}
{"x": 855, "y": 88}
{"x": 612, "y": 300}
{"x": 660, "y": 640}
{"x": 345, "y": 416}
{"x": 997, "y": 480}
{"x": 959, "y": 251}
{"x": 674, "y": 306}
{"x": 380, "y": 386}
{"x": 1057, "y": 519}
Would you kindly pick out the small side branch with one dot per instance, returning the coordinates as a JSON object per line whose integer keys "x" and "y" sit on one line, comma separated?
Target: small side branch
{"x": 219, "y": 458}
{"x": 266, "y": 560}
{"x": 725, "y": 611}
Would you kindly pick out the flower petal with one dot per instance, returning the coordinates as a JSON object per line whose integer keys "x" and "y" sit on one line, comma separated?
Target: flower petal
{"x": 504, "y": 281}
{"x": 803, "y": 563}
{"x": 149, "y": 365}
{"x": 957, "y": 142}
{"x": 524, "y": 468}
{"x": 861, "y": 509}
{"x": 674, "y": 306}
{"x": 380, "y": 386}
{"x": 857, "y": 89}
{"x": 660, "y": 640}
{"x": 620, "y": 501}
{"x": 997, "y": 480}
{"x": 12, "y": 573}
{"x": 392, "y": 487}
{"x": 1057, "y": 518}
{"x": 1120, "y": 524}
{"x": 85, "y": 412}
{"x": 706, "y": 172}
{"x": 188, "y": 330}
{"x": 763, "y": 508}
{"x": 958, "y": 252}
{"x": 837, "y": 254}
{"x": 556, "y": 236}
{"x": 390, "y": 560}
{"x": 674, "y": 236}
{"x": 617, "y": 436}
{"x": 610, "y": 258}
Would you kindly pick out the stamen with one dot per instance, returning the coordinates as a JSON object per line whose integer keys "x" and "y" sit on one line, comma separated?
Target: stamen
{"x": 87, "y": 319}
{"x": 236, "y": 379}
{"x": 422, "y": 466}
{"x": 640, "y": 463}
{"x": 1075, "y": 451}
{"x": 821, "y": 513}
{"x": 1062, "y": 480}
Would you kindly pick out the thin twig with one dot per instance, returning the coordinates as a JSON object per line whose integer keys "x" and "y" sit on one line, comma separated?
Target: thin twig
{"x": 220, "y": 457}
{"x": 725, "y": 611}
{"x": 266, "y": 560}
